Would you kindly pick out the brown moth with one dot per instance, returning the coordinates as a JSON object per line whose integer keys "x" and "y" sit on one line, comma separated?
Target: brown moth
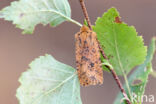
{"x": 88, "y": 61}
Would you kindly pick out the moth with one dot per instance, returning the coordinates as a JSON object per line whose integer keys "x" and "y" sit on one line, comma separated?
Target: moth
{"x": 88, "y": 62}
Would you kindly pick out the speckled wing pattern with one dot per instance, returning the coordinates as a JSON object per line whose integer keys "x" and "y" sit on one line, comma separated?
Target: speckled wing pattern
{"x": 88, "y": 61}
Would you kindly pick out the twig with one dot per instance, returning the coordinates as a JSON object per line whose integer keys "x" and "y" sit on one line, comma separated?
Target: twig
{"x": 120, "y": 85}
{"x": 117, "y": 80}
{"x": 103, "y": 54}
{"x": 85, "y": 13}
{"x": 101, "y": 50}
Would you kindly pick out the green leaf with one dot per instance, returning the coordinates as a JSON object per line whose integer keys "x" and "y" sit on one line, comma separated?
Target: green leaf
{"x": 26, "y": 14}
{"x": 120, "y": 42}
{"x": 138, "y": 79}
{"x": 85, "y": 22}
{"x": 49, "y": 82}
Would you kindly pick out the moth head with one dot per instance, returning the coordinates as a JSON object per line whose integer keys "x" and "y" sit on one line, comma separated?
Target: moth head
{"x": 85, "y": 29}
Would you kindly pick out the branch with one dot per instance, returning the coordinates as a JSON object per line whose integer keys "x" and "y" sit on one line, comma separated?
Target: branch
{"x": 85, "y": 13}
{"x": 116, "y": 78}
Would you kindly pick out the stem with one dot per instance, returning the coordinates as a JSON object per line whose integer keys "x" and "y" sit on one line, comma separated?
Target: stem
{"x": 68, "y": 18}
{"x": 75, "y": 22}
{"x": 119, "y": 85}
{"x": 85, "y": 13}
{"x": 103, "y": 54}
{"x": 116, "y": 78}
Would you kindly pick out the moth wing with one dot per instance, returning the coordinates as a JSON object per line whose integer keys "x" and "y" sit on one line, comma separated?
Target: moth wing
{"x": 88, "y": 61}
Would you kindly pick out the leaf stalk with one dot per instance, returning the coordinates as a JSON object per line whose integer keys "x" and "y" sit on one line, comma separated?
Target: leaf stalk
{"x": 73, "y": 21}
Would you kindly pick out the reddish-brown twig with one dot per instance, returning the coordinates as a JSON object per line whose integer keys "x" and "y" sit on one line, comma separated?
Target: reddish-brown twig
{"x": 116, "y": 78}
{"x": 85, "y": 13}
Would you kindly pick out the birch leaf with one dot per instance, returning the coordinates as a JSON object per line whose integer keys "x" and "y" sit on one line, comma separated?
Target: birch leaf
{"x": 49, "y": 82}
{"x": 120, "y": 42}
{"x": 139, "y": 78}
{"x": 26, "y": 14}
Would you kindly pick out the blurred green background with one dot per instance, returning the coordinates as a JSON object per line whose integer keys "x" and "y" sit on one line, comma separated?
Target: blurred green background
{"x": 17, "y": 51}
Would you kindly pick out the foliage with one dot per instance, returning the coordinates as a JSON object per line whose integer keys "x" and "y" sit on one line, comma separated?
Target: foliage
{"x": 120, "y": 42}
{"x": 26, "y": 14}
{"x": 140, "y": 74}
{"x": 49, "y": 82}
